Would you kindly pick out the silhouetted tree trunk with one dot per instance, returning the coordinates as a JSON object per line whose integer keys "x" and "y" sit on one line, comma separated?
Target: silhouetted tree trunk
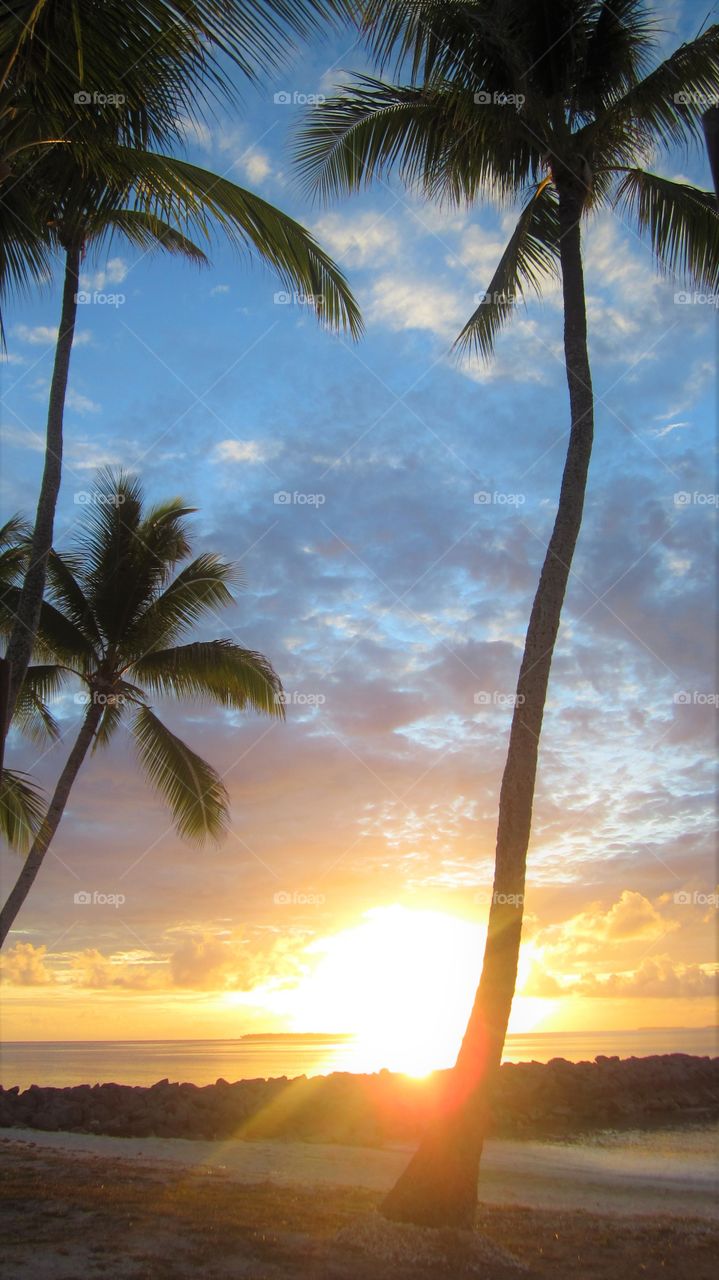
{"x": 51, "y": 821}
{"x": 22, "y": 637}
{"x": 439, "y": 1186}
{"x": 710, "y": 121}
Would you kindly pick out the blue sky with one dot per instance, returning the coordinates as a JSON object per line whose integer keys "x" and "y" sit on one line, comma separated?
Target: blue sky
{"x": 392, "y": 603}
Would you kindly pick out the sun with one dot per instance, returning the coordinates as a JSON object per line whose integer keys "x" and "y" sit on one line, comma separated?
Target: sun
{"x": 401, "y": 982}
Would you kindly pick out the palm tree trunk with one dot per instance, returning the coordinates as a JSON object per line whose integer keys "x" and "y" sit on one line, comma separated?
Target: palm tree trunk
{"x": 51, "y": 821}
{"x": 439, "y": 1186}
{"x": 22, "y": 638}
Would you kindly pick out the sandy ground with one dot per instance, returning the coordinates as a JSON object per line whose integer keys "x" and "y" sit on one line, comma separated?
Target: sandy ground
{"x": 599, "y": 1179}
{"x": 77, "y": 1207}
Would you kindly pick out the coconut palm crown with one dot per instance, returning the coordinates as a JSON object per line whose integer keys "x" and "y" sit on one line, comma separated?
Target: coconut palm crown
{"x": 120, "y": 606}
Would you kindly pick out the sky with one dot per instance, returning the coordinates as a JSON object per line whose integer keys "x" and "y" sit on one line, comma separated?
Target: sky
{"x": 390, "y": 585}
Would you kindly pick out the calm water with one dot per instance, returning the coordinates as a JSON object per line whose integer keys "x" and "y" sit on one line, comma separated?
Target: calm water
{"x": 203, "y": 1061}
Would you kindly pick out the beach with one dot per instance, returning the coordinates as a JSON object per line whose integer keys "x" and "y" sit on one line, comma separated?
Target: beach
{"x": 82, "y": 1204}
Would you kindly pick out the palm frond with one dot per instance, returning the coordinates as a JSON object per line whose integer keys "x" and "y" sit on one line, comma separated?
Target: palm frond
{"x": 201, "y": 587}
{"x": 145, "y": 231}
{"x": 667, "y": 105}
{"x": 531, "y": 254}
{"x": 439, "y": 139}
{"x": 193, "y": 790}
{"x": 21, "y": 809}
{"x": 202, "y": 204}
{"x": 215, "y": 669}
{"x": 32, "y": 714}
{"x": 682, "y": 222}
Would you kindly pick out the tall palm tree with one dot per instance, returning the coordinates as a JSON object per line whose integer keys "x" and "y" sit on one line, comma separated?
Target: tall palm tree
{"x": 73, "y": 172}
{"x": 119, "y": 604}
{"x": 554, "y": 103}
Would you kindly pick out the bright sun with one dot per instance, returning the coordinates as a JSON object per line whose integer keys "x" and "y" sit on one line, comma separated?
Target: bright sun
{"x": 402, "y": 982}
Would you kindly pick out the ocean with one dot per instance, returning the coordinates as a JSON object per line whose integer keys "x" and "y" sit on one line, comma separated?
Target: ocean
{"x": 143, "y": 1062}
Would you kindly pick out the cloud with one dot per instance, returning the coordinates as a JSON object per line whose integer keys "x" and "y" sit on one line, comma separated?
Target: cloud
{"x": 219, "y": 288}
{"x": 362, "y": 241}
{"x": 24, "y": 966}
{"x": 243, "y": 451}
{"x": 82, "y": 404}
{"x": 407, "y": 302}
{"x": 42, "y": 335}
{"x": 256, "y": 165}
{"x": 657, "y": 976}
{"x": 114, "y": 272}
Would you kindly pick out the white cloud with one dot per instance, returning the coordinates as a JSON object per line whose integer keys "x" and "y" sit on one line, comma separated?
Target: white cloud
{"x": 256, "y": 165}
{"x": 362, "y": 241}
{"x": 114, "y": 272}
{"x": 7, "y": 358}
{"x": 243, "y": 451}
{"x": 82, "y": 404}
{"x": 403, "y": 302}
{"x": 41, "y": 335}
{"x": 671, "y": 426}
{"x": 219, "y": 288}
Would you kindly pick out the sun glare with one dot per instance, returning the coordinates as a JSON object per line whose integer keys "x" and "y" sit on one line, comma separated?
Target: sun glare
{"x": 401, "y": 982}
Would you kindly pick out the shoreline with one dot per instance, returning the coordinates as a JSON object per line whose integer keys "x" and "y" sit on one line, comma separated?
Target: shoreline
{"x": 558, "y": 1099}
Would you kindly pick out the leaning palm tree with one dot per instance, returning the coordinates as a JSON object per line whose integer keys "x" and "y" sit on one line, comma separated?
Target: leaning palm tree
{"x": 21, "y": 801}
{"x": 551, "y": 103}
{"x": 119, "y": 604}
{"x": 75, "y": 169}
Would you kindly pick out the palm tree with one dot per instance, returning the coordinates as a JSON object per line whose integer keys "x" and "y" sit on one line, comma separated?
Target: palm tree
{"x": 21, "y": 805}
{"x": 119, "y": 604}
{"x": 74, "y": 173}
{"x": 551, "y": 102}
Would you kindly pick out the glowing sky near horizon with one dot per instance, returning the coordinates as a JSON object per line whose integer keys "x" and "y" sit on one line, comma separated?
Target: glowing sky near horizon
{"x": 352, "y": 891}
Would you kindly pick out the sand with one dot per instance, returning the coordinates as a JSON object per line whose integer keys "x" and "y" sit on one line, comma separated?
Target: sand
{"x": 609, "y": 1178}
